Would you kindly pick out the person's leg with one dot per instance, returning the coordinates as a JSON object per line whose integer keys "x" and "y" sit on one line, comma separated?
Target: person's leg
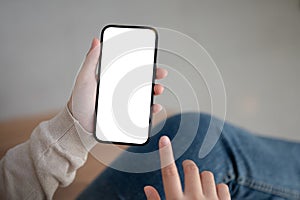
{"x": 254, "y": 167}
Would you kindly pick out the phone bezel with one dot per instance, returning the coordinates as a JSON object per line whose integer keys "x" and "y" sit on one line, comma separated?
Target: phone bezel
{"x": 153, "y": 82}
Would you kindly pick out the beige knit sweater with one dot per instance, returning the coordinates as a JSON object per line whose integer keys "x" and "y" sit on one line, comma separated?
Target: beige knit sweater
{"x": 49, "y": 159}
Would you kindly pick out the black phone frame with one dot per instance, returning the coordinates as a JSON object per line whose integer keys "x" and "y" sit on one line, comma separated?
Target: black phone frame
{"x": 153, "y": 82}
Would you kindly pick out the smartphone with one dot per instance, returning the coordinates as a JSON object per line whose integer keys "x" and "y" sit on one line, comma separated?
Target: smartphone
{"x": 126, "y": 75}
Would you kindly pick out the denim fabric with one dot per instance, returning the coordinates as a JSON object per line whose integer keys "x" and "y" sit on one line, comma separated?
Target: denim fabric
{"x": 253, "y": 167}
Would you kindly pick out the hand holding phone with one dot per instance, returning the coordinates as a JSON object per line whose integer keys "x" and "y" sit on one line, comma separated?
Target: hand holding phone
{"x": 83, "y": 98}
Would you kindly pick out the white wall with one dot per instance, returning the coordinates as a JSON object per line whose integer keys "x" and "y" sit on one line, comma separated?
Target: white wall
{"x": 255, "y": 43}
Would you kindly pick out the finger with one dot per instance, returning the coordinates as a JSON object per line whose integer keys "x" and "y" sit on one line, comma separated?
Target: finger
{"x": 223, "y": 192}
{"x": 156, "y": 108}
{"x": 158, "y": 89}
{"x": 151, "y": 193}
{"x": 161, "y": 73}
{"x": 208, "y": 184}
{"x": 91, "y": 59}
{"x": 171, "y": 180}
{"x": 192, "y": 183}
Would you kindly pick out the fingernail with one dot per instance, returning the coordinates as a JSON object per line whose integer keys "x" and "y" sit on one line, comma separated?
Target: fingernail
{"x": 166, "y": 72}
{"x": 93, "y": 44}
{"x": 164, "y": 141}
{"x": 159, "y": 108}
{"x": 147, "y": 192}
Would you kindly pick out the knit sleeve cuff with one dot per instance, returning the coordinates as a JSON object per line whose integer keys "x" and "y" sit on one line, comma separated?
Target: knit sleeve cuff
{"x": 86, "y": 137}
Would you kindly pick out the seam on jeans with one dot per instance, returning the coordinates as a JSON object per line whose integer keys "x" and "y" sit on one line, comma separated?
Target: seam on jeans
{"x": 230, "y": 151}
{"x": 268, "y": 188}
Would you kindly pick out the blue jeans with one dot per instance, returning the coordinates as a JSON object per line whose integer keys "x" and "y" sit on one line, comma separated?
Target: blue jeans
{"x": 253, "y": 167}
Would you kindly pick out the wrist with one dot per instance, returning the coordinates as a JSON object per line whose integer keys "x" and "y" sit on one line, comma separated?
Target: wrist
{"x": 87, "y": 124}
{"x": 85, "y": 136}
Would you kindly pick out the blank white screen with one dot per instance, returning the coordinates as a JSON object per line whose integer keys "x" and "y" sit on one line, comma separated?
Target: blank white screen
{"x": 124, "y": 93}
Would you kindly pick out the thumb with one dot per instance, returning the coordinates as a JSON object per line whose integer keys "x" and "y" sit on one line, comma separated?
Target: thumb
{"x": 91, "y": 60}
{"x": 151, "y": 193}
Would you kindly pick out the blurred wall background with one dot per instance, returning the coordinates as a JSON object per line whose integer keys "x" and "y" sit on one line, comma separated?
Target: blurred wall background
{"x": 255, "y": 44}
